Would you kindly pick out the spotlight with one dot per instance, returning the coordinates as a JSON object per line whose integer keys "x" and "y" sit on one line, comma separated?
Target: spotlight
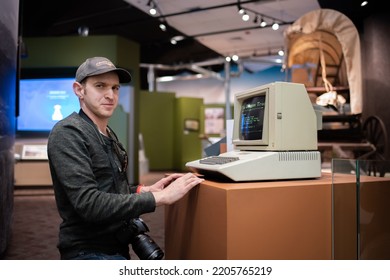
{"x": 263, "y": 23}
{"x": 275, "y": 26}
{"x": 240, "y": 9}
{"x": 176, "y": 39}
{"x": 152, "y": 6}
{"x": 153, "y": 11}
{"x": 83, "y": 31}
{"x": 163, "y": 27}
{"x": 245, "y": 17}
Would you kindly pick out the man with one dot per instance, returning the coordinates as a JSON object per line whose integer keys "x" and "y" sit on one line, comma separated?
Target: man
{"x": 88, "y": 169}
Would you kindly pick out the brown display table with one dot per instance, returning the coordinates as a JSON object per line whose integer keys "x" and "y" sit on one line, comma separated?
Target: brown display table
{"x": 255, "y": 220}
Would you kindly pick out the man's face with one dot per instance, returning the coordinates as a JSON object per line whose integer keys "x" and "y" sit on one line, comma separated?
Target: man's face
{"x": 99, "y": 95}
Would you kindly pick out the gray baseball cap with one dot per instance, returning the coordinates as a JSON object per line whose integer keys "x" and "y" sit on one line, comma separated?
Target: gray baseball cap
{"x": 99, "y": 65}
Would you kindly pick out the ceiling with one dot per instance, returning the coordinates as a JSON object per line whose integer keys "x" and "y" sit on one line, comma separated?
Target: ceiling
{"x": 210, "y": 29}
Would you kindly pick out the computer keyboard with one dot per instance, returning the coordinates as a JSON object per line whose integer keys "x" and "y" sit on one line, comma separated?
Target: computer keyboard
{"x": 212, "y": 160}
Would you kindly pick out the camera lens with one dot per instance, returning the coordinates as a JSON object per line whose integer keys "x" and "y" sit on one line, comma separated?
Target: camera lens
{"x": 146, "y": 249}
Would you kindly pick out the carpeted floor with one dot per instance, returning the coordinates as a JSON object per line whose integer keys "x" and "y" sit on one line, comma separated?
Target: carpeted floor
{"x": 36, "y": 221}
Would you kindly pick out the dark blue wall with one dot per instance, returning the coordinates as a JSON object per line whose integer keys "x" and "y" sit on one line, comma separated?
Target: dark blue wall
{"x": 8, "y": 76}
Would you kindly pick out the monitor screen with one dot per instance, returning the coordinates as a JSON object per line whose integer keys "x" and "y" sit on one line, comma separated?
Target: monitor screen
{"x": 252, "y": 118}
{"x": 43, "y": 102}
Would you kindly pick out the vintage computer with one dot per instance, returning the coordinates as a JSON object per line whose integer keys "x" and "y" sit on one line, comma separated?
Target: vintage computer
{"x": 274, "y": 137}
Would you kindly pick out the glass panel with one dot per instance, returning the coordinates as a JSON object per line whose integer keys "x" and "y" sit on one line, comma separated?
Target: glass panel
{"x": 361, "y": 209}
{"x": 344, "y": 219}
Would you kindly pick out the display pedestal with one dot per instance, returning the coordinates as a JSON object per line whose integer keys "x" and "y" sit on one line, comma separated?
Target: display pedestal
{"x": 278, "y": 220}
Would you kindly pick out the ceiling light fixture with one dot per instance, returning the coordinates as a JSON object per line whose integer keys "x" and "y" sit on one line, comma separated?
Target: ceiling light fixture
{"x": 83, "y": 31}
{"x": 163, "y": 27}
{"x": 176, "y": 39}
{"x": 152, "y": 11}
{"x": 364, "y": 3}
{"x": 243, "y": 54}
{"x": 245, "y": 17}
{"x": 263, "y": 23}
{"x": 239, "y": 8}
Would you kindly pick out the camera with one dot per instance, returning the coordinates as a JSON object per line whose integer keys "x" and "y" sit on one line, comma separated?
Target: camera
{"x": 134, "y": 232}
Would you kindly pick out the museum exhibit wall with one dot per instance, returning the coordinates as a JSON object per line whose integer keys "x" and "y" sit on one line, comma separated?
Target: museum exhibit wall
{"x": 8, "y": 77}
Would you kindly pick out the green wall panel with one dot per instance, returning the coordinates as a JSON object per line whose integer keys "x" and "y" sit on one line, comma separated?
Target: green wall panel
{"x": 188, "y": 146}
{"x": 157, "y": 128}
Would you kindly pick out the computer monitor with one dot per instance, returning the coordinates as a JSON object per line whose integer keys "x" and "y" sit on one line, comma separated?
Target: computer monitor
{"x": 43, "y": 102}
{"x": 275, "y": 117}
{"x": 274, "y": 137}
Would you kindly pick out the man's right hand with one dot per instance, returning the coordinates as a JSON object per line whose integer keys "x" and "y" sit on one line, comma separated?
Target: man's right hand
{"x": 177, "y": 189}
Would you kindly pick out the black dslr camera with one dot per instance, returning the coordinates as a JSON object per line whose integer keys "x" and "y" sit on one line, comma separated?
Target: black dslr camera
{"x": 133, "y": 232}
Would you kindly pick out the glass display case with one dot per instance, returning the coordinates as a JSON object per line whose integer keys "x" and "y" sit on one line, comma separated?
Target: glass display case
{"x": 361, "y": 210}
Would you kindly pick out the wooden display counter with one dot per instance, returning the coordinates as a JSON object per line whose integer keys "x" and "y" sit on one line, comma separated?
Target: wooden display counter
{"x": 31, "y": 163}
{"x": 32, "y": 173}
{"x": 257, "y": 220}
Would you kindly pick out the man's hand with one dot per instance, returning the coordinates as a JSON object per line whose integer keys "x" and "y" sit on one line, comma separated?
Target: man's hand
{"x": 162, "y": 183}
{"x": 178, "y": 186}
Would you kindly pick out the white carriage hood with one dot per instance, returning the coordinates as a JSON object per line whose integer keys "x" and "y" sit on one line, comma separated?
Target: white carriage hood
{"x": 344, "y": 30}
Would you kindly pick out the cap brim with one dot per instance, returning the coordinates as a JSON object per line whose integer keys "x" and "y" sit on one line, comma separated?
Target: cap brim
{"x": 123, "y": 75}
